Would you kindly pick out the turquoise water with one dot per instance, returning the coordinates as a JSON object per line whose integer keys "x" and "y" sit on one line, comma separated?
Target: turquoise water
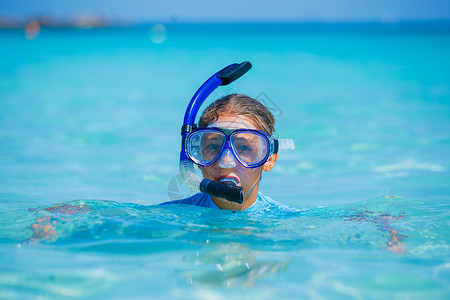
{"x": 95, "y": 114}
{"x": 93, "y": 249}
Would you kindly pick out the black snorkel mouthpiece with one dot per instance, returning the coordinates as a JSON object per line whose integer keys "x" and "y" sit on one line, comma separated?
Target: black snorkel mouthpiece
{"x": 228, "y": 189}
{"x": 232, "y": 193}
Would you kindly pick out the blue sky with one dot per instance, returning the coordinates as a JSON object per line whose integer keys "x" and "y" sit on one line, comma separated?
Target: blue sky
{"x": 138, "y": 11}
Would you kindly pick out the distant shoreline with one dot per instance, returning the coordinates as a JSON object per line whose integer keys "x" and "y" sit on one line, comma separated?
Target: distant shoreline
{"x": 93, "y": 23}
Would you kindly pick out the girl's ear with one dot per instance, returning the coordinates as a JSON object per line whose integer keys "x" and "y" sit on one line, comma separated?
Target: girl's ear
{"x": 270, "y": 162}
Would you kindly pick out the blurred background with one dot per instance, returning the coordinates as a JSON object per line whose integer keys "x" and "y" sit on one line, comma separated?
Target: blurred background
{"x": 93, "y": 93}
{"x": 96, "y": 12}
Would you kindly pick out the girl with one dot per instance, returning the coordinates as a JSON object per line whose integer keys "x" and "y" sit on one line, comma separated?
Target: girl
{"x": 234, "y": 145}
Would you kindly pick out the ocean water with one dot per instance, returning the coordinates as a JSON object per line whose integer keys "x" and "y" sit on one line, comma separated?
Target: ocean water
{"x": 89, "y": 144}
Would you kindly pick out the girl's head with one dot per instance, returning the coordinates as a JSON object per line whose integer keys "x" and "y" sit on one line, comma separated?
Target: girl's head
{"x": 241, "y": 106}
{"x": 237, "y": 112}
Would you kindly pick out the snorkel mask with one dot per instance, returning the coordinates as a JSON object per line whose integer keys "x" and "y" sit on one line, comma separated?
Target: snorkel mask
{"x": 191, "y": 137}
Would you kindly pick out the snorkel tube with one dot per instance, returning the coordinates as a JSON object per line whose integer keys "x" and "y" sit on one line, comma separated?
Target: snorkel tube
{"x": 229, "y": 192}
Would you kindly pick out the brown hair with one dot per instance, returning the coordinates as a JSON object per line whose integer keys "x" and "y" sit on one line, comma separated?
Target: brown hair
{"x": 240, "y": 105}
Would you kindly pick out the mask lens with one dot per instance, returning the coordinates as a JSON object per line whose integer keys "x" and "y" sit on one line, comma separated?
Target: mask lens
{"x": 204, "y": 146}
{"x": 252, "y": 148}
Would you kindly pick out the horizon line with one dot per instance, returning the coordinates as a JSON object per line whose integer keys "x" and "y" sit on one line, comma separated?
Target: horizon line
{"x": 92, "y": 22}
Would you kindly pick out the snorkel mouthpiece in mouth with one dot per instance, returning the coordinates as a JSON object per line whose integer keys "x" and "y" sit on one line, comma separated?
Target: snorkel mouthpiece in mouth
{"x": 229, "y": 181}
{"x": 227, "y": 189}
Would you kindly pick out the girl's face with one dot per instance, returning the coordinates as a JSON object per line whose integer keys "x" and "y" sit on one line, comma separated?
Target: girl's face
{"x": 228, "y": 166}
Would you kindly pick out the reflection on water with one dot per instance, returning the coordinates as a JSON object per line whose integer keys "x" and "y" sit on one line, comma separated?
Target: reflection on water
{"x": 230, "y": 265}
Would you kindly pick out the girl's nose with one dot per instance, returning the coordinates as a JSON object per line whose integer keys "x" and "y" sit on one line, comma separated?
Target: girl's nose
{"x": 227, "y": 160}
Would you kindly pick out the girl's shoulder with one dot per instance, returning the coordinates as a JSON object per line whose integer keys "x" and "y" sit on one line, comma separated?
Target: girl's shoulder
{"x": 199, "y": 199}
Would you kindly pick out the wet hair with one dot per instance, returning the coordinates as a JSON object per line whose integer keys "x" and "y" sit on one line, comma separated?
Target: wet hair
{"x": 242, "y": 106}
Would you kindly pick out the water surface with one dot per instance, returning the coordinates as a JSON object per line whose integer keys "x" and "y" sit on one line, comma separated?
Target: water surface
{"x": 95, "y": 114}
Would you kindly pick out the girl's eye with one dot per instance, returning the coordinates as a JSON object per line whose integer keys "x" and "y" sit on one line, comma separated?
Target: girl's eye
{"x": 244, "y": 148}
{"x": 212, "y": 147}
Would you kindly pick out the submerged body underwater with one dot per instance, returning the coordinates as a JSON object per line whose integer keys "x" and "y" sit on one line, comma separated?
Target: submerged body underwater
{"x": 388, "y": 247}
{"x": 90, "y": 137}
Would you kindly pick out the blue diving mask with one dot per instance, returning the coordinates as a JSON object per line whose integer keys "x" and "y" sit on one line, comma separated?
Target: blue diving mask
{"x": 251, "y": 148}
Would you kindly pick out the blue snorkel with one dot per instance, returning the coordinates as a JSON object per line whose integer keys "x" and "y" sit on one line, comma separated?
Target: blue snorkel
{"x": 218, "y": 189}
